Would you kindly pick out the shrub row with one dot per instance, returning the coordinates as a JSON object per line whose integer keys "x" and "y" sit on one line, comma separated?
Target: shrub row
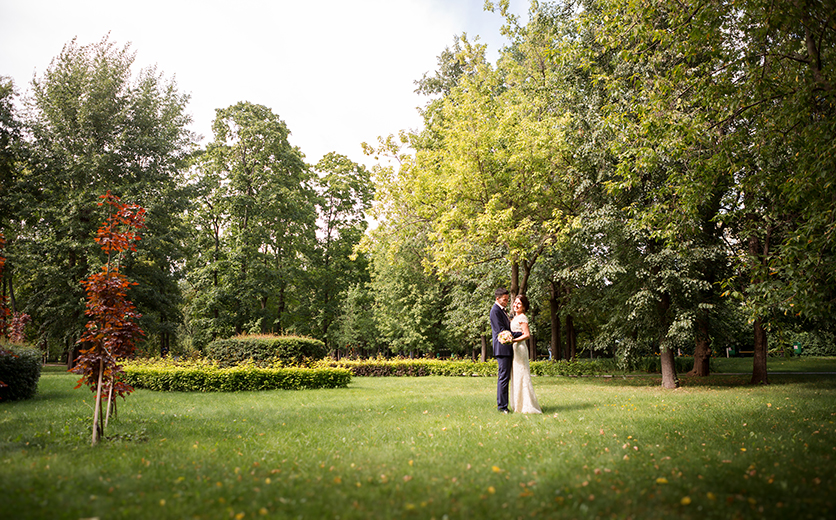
{"x": 212, "y": 378}
{"x": 435, "y": 367}
{"x": 265, "y": 350}
{"x": 20, "y": 369}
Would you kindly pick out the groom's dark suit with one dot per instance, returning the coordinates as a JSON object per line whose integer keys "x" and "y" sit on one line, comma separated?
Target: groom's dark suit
{"x": 504, "y": 355}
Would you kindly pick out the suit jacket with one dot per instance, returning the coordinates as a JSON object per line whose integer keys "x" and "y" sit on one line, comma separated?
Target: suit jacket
{"x": 500, "y": 322}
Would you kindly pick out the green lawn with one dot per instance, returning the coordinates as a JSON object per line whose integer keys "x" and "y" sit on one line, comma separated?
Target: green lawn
{"x": 778, "y": 364}
{"x": 427, "y": 448}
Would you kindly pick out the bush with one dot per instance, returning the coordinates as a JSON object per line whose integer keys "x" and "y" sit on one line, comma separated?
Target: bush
{"x": 207, "y": 377}
{"x": 435, "y": 367}
{"x": 381, "y": 367}
{"x": 20, "y": 369}
{"x": 817, "y": 343}
{"x": 265, "y": 351}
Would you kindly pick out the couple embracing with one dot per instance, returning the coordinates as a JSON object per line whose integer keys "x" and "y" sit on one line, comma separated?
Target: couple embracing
{"x": 511, "y": 352}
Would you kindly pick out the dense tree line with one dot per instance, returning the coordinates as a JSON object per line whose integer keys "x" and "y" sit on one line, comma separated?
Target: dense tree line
{"x": 655, "y": 175}
{"x": 242, "y": 236}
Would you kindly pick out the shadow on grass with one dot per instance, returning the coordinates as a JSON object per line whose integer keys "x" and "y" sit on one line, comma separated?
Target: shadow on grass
{"x": 823, "y": 382}
{"x": 566, "y": 408}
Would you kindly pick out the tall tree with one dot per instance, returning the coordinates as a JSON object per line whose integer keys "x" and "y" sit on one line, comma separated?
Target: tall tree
{"x": 345, "y": 194}
{"x": 11, "y": 201}
{"x": 94, "y": 128}
{"x": 258, "y": 209}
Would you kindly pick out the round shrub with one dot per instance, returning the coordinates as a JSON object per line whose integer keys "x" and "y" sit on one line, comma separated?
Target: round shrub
{"x": 20, "y": 369}
{"x": 265, "y": 350}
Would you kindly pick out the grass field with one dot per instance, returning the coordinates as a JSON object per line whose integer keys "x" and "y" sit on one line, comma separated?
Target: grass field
{"x": 778, "y": 364}
{"x": 428, "y": 448}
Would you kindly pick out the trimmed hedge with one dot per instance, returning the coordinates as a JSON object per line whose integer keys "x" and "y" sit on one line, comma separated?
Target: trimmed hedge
{"x": 212, "y": 378}
{"x": 265, "y": 350}
{"x": 20, "y": 369}
{"x": 435, "y": 367}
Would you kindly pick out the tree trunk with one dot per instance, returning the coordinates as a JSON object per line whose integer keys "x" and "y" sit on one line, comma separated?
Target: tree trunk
{"x": 8, "y": 279}
{"x": 73, "y": 350}
{"x": 669, "y": 379}
{"x": 484, "y": 349}
{"x": 759, "y": 254}
{"x": 555, "y": 346}
{"x": 571, "y": 343}
{"x": 702, "y": 351}
{"x": 264, "y": 323}
{"x": 759, "y": 372}
{"x": 280, "y": 304}
{"x": 515, "y": 281}
{"x": 111, "y": 405}
{"x": 97, "y": 410}
{"x": 532, "y": 349}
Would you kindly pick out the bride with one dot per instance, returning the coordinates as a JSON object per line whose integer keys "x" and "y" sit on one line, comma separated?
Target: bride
{"x": 521, "y": 391}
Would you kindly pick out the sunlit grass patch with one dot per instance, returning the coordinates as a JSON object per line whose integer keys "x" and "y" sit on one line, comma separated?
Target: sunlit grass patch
{"x": 429, "y": 447}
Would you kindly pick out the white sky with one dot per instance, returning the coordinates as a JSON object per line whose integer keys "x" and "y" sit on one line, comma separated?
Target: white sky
{"x": 338, "y": 72}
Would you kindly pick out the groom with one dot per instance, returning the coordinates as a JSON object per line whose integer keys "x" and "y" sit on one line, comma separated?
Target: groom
{"x": 504, "y": 354}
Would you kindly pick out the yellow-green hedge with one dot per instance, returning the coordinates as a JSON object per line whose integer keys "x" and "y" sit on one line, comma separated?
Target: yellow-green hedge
{"x": 435, "y": 367}
{"x": 211, "y": 378}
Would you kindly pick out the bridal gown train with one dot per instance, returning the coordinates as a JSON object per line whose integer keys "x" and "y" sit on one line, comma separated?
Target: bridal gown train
{"x": 521, "y": 391}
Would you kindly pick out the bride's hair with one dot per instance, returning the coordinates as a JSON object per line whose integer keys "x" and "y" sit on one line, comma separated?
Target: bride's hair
{"x": 524, "y": 301}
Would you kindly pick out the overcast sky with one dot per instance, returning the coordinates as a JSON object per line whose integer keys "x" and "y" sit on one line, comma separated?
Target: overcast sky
{"x": 338, "y": 72}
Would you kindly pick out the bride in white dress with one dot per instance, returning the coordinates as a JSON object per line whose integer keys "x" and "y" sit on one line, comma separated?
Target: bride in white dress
{"x": 521, "y": 392}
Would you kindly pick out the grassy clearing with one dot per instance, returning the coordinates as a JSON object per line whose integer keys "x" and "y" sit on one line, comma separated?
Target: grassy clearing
{"x": 778, "y": 364}
{"x": 430, "y": 447}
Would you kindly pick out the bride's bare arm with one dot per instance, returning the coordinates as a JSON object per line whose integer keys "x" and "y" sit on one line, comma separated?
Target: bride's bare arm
{"x": 526, "y": 332}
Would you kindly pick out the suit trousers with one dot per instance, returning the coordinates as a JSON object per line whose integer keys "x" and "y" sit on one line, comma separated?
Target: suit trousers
{"x": 504, "y": 377}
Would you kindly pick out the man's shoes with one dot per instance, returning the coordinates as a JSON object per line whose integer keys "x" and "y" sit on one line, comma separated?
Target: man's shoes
{"x": 503, "y": 410}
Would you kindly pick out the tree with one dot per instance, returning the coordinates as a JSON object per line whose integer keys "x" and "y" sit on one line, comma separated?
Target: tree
{"x": 345, "y": 194}
{"x": 257, "y": 217}
{"x": 112, "y": 331}
{"x": 741, "y": 96}
{"x": 355, "y": 323}
{"x": 93, "y": 128}
{"x": 12, "y": 200}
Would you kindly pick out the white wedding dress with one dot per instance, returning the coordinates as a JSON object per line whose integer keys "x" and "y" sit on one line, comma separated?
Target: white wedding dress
{"x": 520, "y": 390}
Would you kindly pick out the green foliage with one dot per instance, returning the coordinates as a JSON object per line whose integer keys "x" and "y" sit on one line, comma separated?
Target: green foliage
{"x": 265, "y": 350}
{"x": 409, "y": 301}
{"x": 207, "y": 377}
{"x": 818, "y": 343}
{"x": 345, "y": 194}
{"x": 20, "y": 369}
{"x": 355, "y": 325}
{"x": 252, "y": 227}
{"x": 95, "y": 126}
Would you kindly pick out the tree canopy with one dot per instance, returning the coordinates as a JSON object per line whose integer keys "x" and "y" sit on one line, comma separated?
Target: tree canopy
{"x": 655, "y": 175}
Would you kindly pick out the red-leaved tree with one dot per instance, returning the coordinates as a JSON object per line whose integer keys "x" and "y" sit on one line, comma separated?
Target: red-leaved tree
{"x": 112, "y": 331}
